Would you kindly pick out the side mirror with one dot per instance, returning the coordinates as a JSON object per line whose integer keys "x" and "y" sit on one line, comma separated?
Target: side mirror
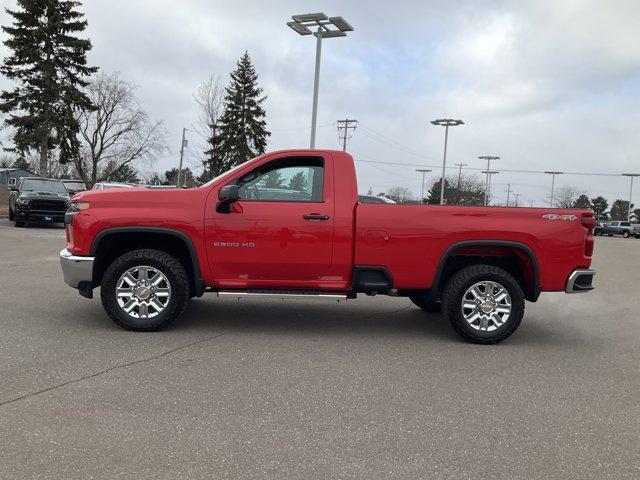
{"x": 227, "y": 195}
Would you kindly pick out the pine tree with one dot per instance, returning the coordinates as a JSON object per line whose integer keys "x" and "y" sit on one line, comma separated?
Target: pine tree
{"x": 49, "y": 65}
{"x": 216, "y": 162}
{"x": 242, "y": 125}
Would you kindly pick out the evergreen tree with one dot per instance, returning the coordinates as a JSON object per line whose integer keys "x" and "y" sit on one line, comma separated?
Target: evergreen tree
{"x": 620, "y": 210}
{"x": 49, "y": 64}
{"x": 22, "y": 164}
{"x": 298, "y": 182}
{"x": 599, "y": 205}
{"x": 582, "y": 202}
{"x": 216, "y": 162}
{"x": 242, "y": 125}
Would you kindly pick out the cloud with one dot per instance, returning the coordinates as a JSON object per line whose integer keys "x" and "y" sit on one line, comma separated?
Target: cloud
{"x": 543, "y": 84}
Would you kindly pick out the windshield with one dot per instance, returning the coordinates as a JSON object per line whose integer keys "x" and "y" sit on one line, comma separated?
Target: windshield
{"x": 75, "y": 185}
{"x": 48, "y": 186}
{"x": 237, "y": 167}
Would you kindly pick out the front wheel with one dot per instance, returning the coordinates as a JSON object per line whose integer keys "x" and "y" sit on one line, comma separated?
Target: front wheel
{"x": 484, "y": 304}
{"x": 11, "y": 215}
{"x": 145, "y": 290}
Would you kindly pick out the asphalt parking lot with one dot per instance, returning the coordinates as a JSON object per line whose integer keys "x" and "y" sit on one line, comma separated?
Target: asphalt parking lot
{"x": 373, "y": 388}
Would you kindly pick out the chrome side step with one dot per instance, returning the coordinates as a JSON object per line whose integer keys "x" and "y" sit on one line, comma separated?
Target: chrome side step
{"x": 284, "y": 295}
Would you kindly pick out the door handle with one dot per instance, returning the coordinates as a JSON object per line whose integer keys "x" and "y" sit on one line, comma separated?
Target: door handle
{"x": 315, "y": 216}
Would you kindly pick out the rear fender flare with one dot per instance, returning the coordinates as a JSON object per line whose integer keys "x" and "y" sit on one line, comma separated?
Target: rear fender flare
{"x": 500, "y": 243}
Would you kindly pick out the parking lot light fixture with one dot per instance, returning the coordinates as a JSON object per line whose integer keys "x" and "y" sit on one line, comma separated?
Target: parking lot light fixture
{"x": 631, "y": 177}
{"x": 446, "y": 123}
{"x": 487, "y": 185}
{"x": 325, "y": 27}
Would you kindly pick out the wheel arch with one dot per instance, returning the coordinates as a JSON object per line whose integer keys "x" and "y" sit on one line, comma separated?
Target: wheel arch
{"x": 531, "y": 287}
{"x": 131, "y": 238}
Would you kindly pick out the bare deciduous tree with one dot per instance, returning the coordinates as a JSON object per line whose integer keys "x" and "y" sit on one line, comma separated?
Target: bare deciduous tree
{"x": 400, "y": 194}
{"x": 209, "y": 97}
{"x": 565, "y": 197}
{"x": 117, "y": 134}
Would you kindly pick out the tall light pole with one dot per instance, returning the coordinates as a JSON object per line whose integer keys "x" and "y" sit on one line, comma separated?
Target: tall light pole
{"x": 326, "y": 27}
{"x": 553, "y": 183}
{"x": 446, "y": 123}
{"x": 182, "y": 145}
{"x": 422, "y": 191}
{"x": 631, "y": 177}
{"x": 488, "y": 158}
{"x": 490, "y": 173}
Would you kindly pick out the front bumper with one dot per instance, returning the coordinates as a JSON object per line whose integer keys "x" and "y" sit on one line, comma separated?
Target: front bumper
{"x": 77, "y": 271}
{"x": 580, "y": 281}
{"x": 39, "y": 216}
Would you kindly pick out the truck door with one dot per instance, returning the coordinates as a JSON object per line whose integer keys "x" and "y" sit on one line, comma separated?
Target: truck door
{"x": 280, "y": 231}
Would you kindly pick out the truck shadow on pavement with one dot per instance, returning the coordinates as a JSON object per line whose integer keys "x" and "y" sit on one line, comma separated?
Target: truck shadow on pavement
{"x": 397, "y": 319}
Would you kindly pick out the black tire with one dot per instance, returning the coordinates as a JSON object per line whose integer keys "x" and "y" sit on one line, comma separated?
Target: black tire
{"x": 11, "y": 215}
{"x": 625, "y": 234}
{"x": 609, "y": 234}
{"x": 16, "y": 223}
{"x": 163, "y": 262}
{"x": 457, "y": 287}
{"x": 431, "y": 306}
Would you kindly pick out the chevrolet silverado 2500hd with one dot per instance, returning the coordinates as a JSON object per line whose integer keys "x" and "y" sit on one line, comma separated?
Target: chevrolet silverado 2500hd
{"x": 289, "y": 224}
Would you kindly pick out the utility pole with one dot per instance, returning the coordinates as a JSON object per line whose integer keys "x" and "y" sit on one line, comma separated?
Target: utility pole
{"x": 631, "y": 177}
{"x": 553, "y": 183}
{"x": 508, "y": 193}
{"x": 182, "y": 145}
{"x": 446, "y": 123}
{"x": 517, "y": 197}
{"x": 343, "y": 130}
{"x": 530, "y": 203}
{"x": 422, "y": 191}
{"x": 487, "y": 184}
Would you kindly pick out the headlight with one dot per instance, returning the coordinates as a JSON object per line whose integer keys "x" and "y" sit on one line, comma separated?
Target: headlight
{"x": 77, "y": 206}
{"x": 22, "y": 202}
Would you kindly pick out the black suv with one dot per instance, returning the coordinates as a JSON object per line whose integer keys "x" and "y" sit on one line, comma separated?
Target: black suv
{"x": 38, "y": 200}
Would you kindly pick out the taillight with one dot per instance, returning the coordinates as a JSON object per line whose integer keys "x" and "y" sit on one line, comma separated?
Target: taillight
{"x": 588, "y": 221}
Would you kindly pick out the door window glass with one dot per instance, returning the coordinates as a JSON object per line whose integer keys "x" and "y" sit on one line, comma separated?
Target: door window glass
{"x": 288, "y": 180}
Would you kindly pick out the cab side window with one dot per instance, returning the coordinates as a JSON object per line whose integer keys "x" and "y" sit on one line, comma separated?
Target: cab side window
{"x": 284, "y": 180}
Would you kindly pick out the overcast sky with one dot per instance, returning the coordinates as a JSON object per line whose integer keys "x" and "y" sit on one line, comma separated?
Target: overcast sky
{"x": 545, "y": 85}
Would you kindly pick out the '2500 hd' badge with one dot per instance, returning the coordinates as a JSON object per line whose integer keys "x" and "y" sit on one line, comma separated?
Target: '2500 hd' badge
{"x": 555, "y": 216}
{"x": 234, "y": 244}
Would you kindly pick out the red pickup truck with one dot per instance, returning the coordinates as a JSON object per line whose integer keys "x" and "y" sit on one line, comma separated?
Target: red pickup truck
{"x": 289, "y": 224}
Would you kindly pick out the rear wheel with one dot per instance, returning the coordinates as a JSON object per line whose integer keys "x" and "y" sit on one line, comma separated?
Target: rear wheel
{"x": 625, "y": 234}
{"x": 145, "y": 290}
{"x": 484, "y": 304}
{"x": 427, "y": 305}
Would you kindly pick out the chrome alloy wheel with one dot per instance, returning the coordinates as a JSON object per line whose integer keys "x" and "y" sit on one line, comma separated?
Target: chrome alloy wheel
{"x": 143, "y": 292}
{"x": 486, "y": 306}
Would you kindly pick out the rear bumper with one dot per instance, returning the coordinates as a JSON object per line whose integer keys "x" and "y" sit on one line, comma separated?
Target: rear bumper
{"x": 580, "y": 281}
{"x": 76, "y": 271}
